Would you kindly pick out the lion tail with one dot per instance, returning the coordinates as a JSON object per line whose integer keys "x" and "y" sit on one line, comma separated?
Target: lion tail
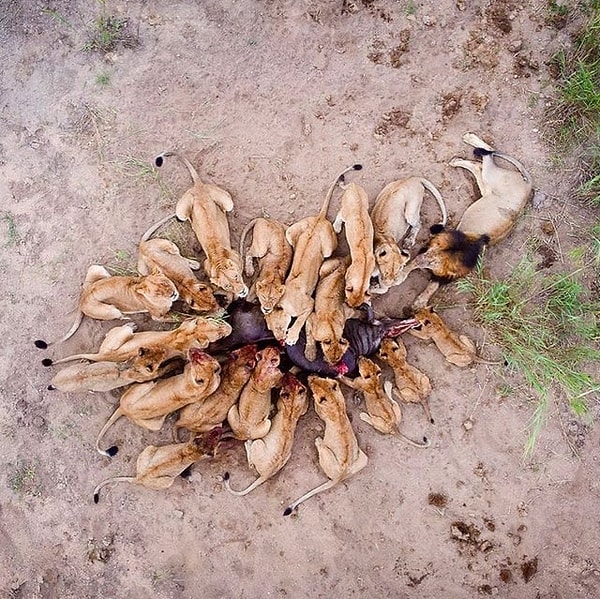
{"x": 160, "y": 159}
{"x": 111, "y": 451}
{"x": 41, "y": 344}
{"x": 259, "y": 481}
{"x": 244, "y": 234}
{"x": 319, "y": 489}
{"x": 114, "y": 479}
{"x": 338, "y": 179}
{"x": 156, "y": 226}
{"x": 480, "y": 152}
{"x": 438, "y": 197}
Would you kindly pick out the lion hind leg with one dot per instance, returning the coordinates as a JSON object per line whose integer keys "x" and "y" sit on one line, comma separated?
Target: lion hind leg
{"x": 338, "y": 223}
{"x": 95, "y": 273}
{"x": 183, "y": 210}
{"x": 142, "y": 267}
{"x": 475, "y": 168}
{"x": 476, "y": 141}
{"x": 413, "y": 218}
{"x": 221, "y": 198}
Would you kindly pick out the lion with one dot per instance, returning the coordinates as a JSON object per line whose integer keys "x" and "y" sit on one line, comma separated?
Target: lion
{"x": 107, "y": 297}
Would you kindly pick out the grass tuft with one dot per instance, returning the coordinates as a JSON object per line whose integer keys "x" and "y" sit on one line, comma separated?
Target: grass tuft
{"x": 103, "y": 79}
{"x": 575, "y": 116}
{"x": 109, "y": 32}
{"x": 13, "y": 237}
{"x": 22, "y": 479}
{"x": 545, "y": 327}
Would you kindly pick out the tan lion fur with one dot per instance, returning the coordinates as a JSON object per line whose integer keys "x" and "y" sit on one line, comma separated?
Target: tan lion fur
{"x": 313, "y": 240}
{"x": 354, "y": 217}
{"x": 397, "y": 209}
{"x": 202, "y": 416}
{"x": 164, "y": 256}
{"x": 249, "y": 418}
{"x": 383, "y": 413}
{"x": 148, "y": 404}
{"x": 410, "y": 384}
{"x": 271, "y": 453}
{"x": 274, "y": 255}
{"x": 340, "y": 457}
{"x": 123, "y": 343}
{"x": 325, "y": 325}
{"x": 158, "y": 467}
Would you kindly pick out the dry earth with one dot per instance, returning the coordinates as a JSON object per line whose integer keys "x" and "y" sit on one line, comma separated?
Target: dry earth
{"x": 271, "y": 99}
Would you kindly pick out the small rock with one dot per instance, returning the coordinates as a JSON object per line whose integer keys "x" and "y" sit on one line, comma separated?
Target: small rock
{"x": 539, "y": 198}
{"x": 178, "y": 513}
{"x": 515, "y": 46}
{"x": 39, "y": 422}
{"x": 468, "y": 424}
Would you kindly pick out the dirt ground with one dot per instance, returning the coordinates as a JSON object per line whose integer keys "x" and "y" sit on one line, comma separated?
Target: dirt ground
{"x": 270, "y": 100}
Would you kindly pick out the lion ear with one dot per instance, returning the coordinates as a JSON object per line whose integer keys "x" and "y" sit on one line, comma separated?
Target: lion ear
{"x": 435, "y": 229}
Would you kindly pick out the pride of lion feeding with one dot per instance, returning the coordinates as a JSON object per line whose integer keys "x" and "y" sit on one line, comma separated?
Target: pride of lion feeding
{"x": 301, "y": 289}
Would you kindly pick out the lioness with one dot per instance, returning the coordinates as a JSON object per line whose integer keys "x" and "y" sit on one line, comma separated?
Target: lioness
{"x": 106, "y": 376}
{"x": 157, "y": 467}
{"x": 326, "y": 323}
{"x": 313, "y": 240}
{"x": 123, "y": 343}
{"x": 249, "y": 418}
{"x": 398, "y": 208}
{"x": 274, "y": 254}
{"x": 457, "y": 349}
{"x": 354, "y": 216}
{"x": 148, "y": 404}
{"x": 164, "y": 256}
{"x": 202, "y": 416}
{"x": 410, "y": 384}
{"x": 206, "y": 206}
{"x": 383, "y": 413}
{"x": 107, "y": 297}
{"x": 271, "y": 453}
{"x": 339, "y": 454}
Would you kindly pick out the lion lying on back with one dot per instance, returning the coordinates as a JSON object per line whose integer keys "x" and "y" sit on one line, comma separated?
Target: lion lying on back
{"x": 453, "y": 253}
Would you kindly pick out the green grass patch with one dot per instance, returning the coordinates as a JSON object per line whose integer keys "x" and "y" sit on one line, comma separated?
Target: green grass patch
{"x": 411, "y": 7}
{"x": 122, "y": 264}
{"x": 103, "y": 79}
{"x": 109, "y": 32}
{"x": 575, "y": 117}
{"x": 546, "y": 326}
{"x": 12, "y": 236}
{"x": 22, "y": 479}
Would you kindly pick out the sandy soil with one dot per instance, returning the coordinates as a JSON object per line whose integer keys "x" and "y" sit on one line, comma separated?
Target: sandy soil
{"x": 271, "y": 99}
